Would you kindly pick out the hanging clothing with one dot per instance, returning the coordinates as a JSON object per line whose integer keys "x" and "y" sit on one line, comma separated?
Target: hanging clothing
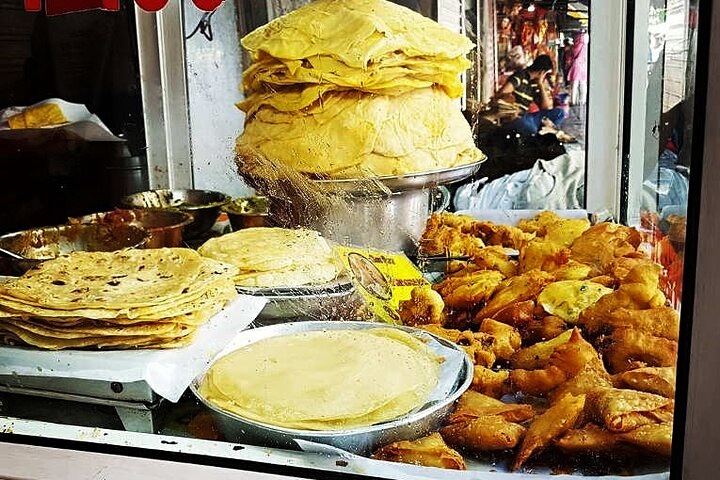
{"x": 555, "y": 184}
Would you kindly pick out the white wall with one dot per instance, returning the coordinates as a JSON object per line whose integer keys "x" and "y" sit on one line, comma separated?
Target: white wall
{"x": 214, "y": 73}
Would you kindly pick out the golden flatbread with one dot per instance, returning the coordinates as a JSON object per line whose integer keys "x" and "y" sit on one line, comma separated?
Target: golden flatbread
{"x": 324, "y": 380}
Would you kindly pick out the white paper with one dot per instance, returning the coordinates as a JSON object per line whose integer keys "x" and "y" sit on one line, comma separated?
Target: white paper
{"x": 475, "y": 469}
{"x": 168, "y": 372}
{"x": 81, "y": 122}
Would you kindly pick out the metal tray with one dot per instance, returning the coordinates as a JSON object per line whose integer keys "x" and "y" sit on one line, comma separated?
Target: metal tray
{"x": 358, "y": 440}
{"x": 415, "y": 181}
{"x": 340, "y": 285}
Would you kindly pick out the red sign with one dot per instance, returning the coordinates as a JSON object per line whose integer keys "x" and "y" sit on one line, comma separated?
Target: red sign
{"x": 58, "y": 7}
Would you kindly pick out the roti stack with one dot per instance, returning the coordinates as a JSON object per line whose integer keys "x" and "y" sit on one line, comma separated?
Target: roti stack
{"x": 356, "y": 89}
{"x": 275, "y": 257}
{"x": 154, "y": 298}
{"x": 325, "y": 380}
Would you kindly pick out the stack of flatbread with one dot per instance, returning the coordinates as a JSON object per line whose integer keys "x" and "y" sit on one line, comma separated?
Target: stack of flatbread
{"x": 275, "y": 257}
{"x": 154, "y": 298}
{"x": 356, "y": 89}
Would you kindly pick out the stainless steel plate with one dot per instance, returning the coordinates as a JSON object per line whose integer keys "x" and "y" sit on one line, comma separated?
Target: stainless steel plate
{"x": 358, "y": 440}
{"x": 340, "y": 285}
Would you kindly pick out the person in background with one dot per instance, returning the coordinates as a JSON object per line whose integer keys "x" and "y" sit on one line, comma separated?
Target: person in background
{"x": 566, "y": 60}
{"x": 577, "y": 73}
{"x": 522, "y": 89}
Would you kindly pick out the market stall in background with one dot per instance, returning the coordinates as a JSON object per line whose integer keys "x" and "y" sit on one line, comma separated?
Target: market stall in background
{"x": 382, "y": 285}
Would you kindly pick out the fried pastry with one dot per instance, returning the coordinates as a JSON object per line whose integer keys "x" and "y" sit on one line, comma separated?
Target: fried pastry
{"x": 623, "y": 410}
{"x": 506, "y": 338}
{"x": 538, "y": 355}
{"x": 490, "y": 382}
{"x": 424, "y": 306}
{"x": 472, "y": 404}
{"x": 655, "y": 438}
{"x": 429, "y": 451}
{"x": 628, "y": 348}
{"x": 482, "y": 434}
{"x": 591, "y": 438}
{"x": 657, "y": 380}
{"x": 515, "y": 289}
{"x": 562, "y": 416}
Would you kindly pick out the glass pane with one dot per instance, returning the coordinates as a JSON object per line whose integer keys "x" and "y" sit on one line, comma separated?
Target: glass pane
{"x": 666, "y": 135}
{"x": 516, "y": 333}
{"x": 88, "y": 59}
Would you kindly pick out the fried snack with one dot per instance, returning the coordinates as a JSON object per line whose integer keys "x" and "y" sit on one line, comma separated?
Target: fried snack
{"x": 655, "y": 438}
{"x": 601, "y": 244}
{"x": 429, "y": 451}
{"x": 543, "y": 329}
{"x": 490, "y": 382}
{"x": 568, "y": 298}
{"x": 506, "y": 338}
{"x": 539, "y": 223}
{"x": 639, "y": 291}
{"x": 591, "y": 438}
{"x": 572, "y": 356}
{"x": 562, "y": 416}
{"x": 484, "y": 434}
{"x": 498, "y": 234}
{"x": 424, "y": 306}
{"x": 621, "y": 267}
{"x": 565, "y": 362}
{"x": 478, "y": 346}
{"x": 517, "y": 314}
{"x": 536, "y": 382}
{"x": 587, "y": 380}
{"x": 572, "y": 270}
{"x": 661, "y": 321}
{"x": 495, "y": 258}
{"x": 657, "y": 380}
{"x": 628, "y": 348}
{"x": 565, "y": 231}
{"x": 464, "y": 290}
{"x": 516, "y": 289}
{"x": 441, "y": 240}
{"x": 543, "y": 255}
{"x": 472, "y": 405}
{"x": 538, "y": 355}
{"x": 622, "y": 410}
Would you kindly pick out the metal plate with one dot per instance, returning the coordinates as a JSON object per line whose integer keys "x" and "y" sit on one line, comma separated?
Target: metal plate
{"x": 340, "y": 285}
{"x": 415, "y": 181}
{"x": 358, "y": 440}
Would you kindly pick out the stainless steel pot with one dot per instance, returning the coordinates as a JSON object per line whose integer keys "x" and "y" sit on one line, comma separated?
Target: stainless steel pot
{"x": 390, "y": 221}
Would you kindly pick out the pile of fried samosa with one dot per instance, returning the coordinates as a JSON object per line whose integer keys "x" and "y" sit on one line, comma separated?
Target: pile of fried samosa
{"x": 573, "y": 344}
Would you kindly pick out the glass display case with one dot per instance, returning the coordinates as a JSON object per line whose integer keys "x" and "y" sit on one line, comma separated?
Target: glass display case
{"x": 506, "y": 232}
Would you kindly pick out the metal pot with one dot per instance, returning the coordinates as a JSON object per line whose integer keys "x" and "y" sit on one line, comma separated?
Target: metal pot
{"x": 165, "y": 226}
{"x": 40, "y": 244}
{"x": 391, "y": 221}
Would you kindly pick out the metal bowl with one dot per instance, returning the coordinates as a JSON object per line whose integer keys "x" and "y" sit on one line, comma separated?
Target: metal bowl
{"x": 165, "y": 226}
{"x": 357, "y": 440}
{"x": 247, "y": 212}
{"x": 203, "y": 205}
{"x": 40, "y": 244}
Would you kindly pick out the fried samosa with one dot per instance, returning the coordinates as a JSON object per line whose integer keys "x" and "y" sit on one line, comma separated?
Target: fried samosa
{"x": 429, "y": 451}
{"x": 655, "y": 438}
{"x": 484, "y": 434}
{"x": 657, "y": 380}
{"x": 490, "y": 382}
{"x": 589, "y": 439}
{"x": 472, "y": 405}
{"x": 564, "y": 415}
{"x": 623, "y": 410}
